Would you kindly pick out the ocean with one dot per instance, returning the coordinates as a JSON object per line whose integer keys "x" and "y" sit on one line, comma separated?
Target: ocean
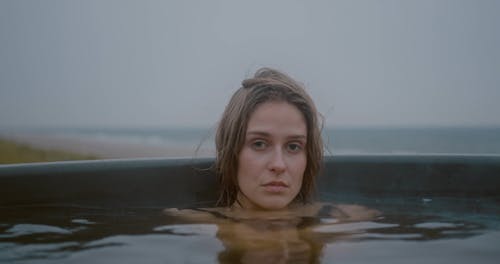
{"x": 458, "y": 140}
{"x": 414, "y": 140}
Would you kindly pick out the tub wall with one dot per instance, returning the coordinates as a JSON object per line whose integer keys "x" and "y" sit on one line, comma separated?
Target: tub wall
{"x": 190, "y": 182}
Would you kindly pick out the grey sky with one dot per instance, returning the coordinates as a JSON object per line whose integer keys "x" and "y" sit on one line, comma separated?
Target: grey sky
{"x": 168, "y": 63}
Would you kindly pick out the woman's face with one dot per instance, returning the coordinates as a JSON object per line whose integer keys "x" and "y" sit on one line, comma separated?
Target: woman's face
{"x": 273, "y": 158}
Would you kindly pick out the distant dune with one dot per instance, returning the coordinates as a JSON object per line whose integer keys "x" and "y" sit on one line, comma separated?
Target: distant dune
{"x": 86, "y": 148}
{"x": 12, "y": 152}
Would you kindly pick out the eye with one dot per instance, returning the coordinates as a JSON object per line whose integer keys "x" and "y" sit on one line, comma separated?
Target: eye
{"x": 294, "y": 147}
{"x": 259, "y": 144}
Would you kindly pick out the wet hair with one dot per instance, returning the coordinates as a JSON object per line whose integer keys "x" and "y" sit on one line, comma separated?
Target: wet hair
{"x": 267, "y": 85}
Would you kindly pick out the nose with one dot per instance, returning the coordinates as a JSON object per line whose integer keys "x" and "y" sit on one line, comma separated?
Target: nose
{"x": 277, "y": 162}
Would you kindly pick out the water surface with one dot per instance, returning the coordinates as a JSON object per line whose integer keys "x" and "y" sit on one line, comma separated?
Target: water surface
{"x": 419, "y": 230}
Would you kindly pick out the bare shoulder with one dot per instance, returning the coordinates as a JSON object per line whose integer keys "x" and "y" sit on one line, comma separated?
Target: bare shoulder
{"x": 204, "y": 215}
{"x": 355, "y": 212}
{"x": 344, "y": 212}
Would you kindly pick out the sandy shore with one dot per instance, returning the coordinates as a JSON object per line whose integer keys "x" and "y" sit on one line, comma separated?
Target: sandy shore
{"x": 102, "y": 148}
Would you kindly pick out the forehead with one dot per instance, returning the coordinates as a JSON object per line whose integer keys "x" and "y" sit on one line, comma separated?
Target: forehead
{"x": 277, "y": 118}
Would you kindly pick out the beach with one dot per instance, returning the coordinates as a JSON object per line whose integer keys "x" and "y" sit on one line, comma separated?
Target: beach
{"x": 102, "y": 148}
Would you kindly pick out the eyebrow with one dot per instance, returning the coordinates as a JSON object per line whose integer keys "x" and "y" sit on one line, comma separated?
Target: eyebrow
{"x": 265, "y": 134}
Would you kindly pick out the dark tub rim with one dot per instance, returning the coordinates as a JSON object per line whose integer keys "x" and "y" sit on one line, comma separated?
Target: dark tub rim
{"x": 165, "y": 182}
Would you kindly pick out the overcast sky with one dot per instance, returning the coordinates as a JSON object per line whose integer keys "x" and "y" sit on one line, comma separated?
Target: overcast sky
{"x": 176, "y": 63}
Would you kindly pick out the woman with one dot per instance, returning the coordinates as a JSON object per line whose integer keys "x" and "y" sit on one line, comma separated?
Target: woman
{"x": 269, "y": 153}
{"x": 269, "y": 147}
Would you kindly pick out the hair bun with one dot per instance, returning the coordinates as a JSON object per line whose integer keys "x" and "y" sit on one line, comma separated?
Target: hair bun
{"x": 248, "y": 83}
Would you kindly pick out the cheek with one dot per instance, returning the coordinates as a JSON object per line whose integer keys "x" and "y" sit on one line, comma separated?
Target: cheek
{"x": 299, "y": 167}
{"x": 246, "y": 166}
{"x": 300, "y": 163}
{"x": 250, "y": 161}
{"x": 244, "y": 163}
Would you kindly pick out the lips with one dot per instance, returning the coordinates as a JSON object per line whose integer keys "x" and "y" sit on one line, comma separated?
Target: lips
{"x": 275, "y": 187}
{"x": 276, "y": 184}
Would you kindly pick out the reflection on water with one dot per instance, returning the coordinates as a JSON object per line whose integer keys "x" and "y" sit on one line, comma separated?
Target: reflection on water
{"x": 147, "y": 235}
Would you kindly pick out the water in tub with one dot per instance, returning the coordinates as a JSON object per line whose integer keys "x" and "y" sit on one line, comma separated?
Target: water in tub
{"x": 419, "y": 230}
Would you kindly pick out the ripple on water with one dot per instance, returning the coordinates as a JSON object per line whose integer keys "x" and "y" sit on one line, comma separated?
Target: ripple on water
{"x": 31, "y": 229}
{"x": 82, "y": 222}
{"x": 437, "y": 225}
{"x": 189, "y": 229}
